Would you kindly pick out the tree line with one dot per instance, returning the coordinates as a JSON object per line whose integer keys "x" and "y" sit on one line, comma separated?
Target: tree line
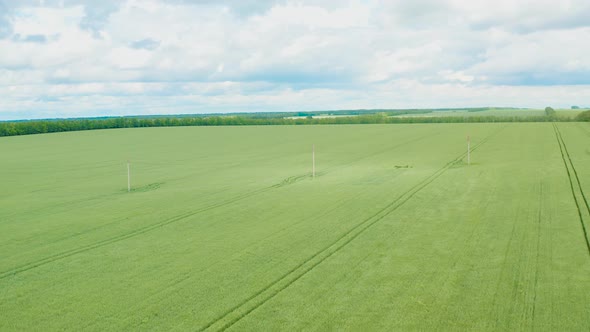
{"x": 53, "y": 126}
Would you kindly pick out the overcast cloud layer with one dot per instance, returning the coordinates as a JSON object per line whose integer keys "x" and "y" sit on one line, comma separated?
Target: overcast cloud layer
{"x": 75, "y": 58}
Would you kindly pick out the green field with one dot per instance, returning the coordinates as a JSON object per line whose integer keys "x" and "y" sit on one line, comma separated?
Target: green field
{"x": 226, "y": 229}
{"x": 500, "y": 112}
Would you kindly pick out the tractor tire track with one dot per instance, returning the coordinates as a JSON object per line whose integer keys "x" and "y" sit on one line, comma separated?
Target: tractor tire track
{"x": 142, "y": 230}
{"x": 160, "y": 294}
{"x": 495, "y": 307}
{"x": 565, "y": 157}
{"x": 245, "y": 307}
{"x": 574, "y": 169}
{"x": 537, "y": 258}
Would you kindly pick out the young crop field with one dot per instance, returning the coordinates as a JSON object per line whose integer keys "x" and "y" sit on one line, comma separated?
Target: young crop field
{"x": 507, "y": 112}
{"x": 225, "y": 228}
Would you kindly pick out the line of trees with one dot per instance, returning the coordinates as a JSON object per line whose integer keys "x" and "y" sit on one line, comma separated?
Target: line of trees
{"x": 53, "y": 126}
{"x": 583, "y": 116}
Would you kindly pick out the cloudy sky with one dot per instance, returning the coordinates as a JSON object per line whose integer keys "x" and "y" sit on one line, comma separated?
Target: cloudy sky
{"x": 72, "y": 58}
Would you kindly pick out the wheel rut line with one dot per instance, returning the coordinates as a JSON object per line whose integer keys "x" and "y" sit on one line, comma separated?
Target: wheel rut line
{"x": 571, "y": 181}
{"x": 61, "y": 207}
{"x": 68, "y": 253}
{"x": 575, "y": 171}
{"x": 186, "y": 278}
{"x": 325, "y": 253}
{"x": 470, "y": 240}
{"x": 105, "y": 242}
{"x": 535, "y": 289}
{"x": 502, "y": 273}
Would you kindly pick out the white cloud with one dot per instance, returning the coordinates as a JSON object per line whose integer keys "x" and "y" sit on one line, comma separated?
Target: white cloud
{"x": 128, "y": 58}
{"x": 89, "y": 57}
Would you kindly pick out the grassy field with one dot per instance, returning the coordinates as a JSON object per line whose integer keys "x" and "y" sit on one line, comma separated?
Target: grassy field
{"x": 508, "y": 112}
{"x": 226, "y": 229}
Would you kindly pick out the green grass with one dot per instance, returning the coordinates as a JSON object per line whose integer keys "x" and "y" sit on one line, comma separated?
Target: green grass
{"x": 508, "y": 112}
{"x": 225, "y": 228}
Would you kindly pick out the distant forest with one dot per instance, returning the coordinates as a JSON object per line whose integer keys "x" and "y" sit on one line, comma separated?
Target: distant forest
{"x": 14, "y": 128}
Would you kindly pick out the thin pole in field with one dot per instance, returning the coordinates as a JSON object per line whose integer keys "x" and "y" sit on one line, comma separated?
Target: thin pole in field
{"x": 128, "y": 177}
{"x": 468, "y": 150}
{"x": 313, "y": 160}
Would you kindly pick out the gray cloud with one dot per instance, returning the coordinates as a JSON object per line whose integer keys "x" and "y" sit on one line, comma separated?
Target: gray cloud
{"x": 146, "y": 44}
{"x": 521, "y": 16}
{"x": 97, "y": 14}
{"x": 416, "y": 13}
{"x": 239, "y": 7}
{"x": 543, "y": 78}
{"x": 525, "y": 23}
{"x": 5, "y": 24}
{"x": 41, "y": 39}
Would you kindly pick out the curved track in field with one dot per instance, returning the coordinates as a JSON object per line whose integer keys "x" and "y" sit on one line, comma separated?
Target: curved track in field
{"x": 68, "y": 253}
{"x": 241, "y": 310}
{"x": 575, "y": 185}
